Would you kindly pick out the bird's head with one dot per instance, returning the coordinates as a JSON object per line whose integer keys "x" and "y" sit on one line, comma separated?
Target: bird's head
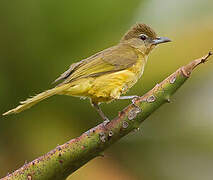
{"x": 143, "y": 37}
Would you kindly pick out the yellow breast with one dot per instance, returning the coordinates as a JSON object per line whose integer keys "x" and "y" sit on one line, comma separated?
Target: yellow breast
{"x": 138, "y": 68}
{"x": 111, "y": 86}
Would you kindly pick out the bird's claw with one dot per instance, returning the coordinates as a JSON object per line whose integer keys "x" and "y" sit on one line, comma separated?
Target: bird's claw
{"x": 106, "y": 121}
{"x": 135, "y": 98}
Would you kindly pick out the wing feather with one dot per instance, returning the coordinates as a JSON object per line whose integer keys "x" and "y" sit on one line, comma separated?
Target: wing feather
{"x": 112, "y": 59}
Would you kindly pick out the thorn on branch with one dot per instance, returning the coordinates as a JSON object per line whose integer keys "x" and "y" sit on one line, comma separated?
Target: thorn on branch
{"x": 125, "y": 124}
{"x": 102, "y": 137}
{"x": 133, "y": 112}
{"x": 151, "y": 99}
{"x": 172, "y": 80}
{"x": 111, "y": 133}
{"x": 168, "y": 100}
{"x": 136, "y": 129}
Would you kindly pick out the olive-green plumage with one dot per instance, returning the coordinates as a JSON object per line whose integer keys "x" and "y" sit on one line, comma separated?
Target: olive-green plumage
{"x": 106, "y": 75}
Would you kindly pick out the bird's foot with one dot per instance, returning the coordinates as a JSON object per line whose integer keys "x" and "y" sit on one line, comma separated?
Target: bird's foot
{"x": 100, "y": 112}
{"x": 106, "y": 121}
{"x": 133, "y": 98}
{"x": 129, "y": 97}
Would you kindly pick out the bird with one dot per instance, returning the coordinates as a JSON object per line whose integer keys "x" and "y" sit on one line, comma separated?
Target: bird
{"x": 106, "y": 75}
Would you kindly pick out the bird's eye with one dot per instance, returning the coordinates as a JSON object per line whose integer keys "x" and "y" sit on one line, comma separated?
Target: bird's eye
{"x": 143, "y": 37}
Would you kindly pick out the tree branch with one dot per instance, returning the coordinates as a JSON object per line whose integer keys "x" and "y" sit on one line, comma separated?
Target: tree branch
{"x": 67, "y": 158}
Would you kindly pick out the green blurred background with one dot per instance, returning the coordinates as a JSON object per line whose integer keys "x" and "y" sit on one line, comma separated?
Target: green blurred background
{"x": 40, "y": 39}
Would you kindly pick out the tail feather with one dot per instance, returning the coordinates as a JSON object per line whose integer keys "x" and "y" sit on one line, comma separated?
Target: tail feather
{"x": 34, "y": 100}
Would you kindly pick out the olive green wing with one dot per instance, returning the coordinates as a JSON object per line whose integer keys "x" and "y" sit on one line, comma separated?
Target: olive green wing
{"x": 110, "y": 60}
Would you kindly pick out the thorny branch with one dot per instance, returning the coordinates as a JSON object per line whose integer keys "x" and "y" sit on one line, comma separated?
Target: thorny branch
{"x": 67, "y": 158}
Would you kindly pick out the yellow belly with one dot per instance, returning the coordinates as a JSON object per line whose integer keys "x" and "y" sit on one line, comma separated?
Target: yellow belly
{"x": 109, "y": 86}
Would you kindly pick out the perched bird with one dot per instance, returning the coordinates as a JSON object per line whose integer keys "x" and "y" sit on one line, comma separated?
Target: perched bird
{"x": 106, "y": 75}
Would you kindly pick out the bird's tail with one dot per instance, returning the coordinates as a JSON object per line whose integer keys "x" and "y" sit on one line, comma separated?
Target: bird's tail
{"x": 34, "y": 100}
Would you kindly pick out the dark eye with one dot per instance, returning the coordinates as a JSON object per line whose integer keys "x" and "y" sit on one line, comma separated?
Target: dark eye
{"x": 143, "y": 37}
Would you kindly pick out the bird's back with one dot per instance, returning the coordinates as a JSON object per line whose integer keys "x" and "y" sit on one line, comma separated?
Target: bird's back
{"x": 109, "y": 60}
{"x": 107, "y": 75}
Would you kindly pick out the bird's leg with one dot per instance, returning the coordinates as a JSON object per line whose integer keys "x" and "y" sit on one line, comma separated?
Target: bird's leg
{"x": 128, "y": 97}
{"x": 100, "y": 112}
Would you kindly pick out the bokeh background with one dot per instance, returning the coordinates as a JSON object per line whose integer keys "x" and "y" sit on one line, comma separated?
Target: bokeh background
{"x": 40, "y": 39}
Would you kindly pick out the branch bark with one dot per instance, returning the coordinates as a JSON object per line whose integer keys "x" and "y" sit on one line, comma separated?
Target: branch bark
{"x": 67, "y": 158}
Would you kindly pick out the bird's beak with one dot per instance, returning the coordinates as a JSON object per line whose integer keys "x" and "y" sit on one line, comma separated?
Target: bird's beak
{"x": 160, "y": 40}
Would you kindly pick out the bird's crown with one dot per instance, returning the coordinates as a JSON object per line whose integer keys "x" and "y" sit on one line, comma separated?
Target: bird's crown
{"x": 138, "y": 29}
